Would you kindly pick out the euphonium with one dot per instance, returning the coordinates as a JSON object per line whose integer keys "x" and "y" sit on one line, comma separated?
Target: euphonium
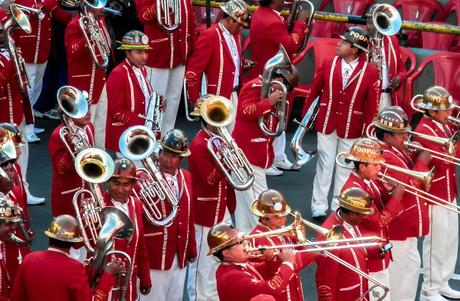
{"x": 94, "y": 166}
{"x": 154, "y": 117}
{"x": 219, "y": 112}
{"x": 138, "y": 143}
{"x": 280, "y": 112}
{"x": 296, "y": 8}
{"x": 116, "y": 224}
{"x": 74, "y": 105}
{"x": 164, "y": 10}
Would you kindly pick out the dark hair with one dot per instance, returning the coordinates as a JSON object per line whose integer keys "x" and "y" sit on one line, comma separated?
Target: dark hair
{"x": 225, "y": 15}
{"x": 379, "y": 133}
{"x": 60, "y": 244}
{"x": 345, "y": 210}
{"x": 265, "y": 3}
{"x": 357, "y": 163}
{"x": 219, "y": 255}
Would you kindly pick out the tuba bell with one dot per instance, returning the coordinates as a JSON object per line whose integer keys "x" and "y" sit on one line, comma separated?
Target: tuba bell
{"x": 219, "y": 112}
{"x": 138, "y": 143}
{"x": 94, "y": 166}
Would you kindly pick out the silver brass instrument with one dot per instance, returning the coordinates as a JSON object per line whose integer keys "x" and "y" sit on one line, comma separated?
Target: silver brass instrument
{"x": 296, "y": 8}
{"x": 417, "y": 98}
{"x": 17, "y": 19}
{"x": 94, "y": 166}
{"x": 164, "y": 10}
{"x": 154, "y": 117}
{"x": 8, "y": 148}
{"x": 116, "y": 224}
{"x": 302, "y": 157}
{"x": 280, "y": 113}
{"x": 138, "y": 143}
{"x": 219, "y": 112}
{"x": 74, "y": 105}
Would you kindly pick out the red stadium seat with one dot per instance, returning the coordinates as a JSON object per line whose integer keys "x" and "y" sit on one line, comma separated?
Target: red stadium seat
{"x": 420, "y": 11}
{"x": 453, "y": 7}
{"x": 446, "y": 69}
{"x": 437, "y": 41}
{"x": 410, "y": 61}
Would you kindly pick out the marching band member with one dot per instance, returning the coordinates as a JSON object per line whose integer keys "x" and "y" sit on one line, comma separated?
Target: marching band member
{"x": 217, "y": 54}
{"x": 392, "y": 125}
{"x": 119, "y": 195}
{"x": 348, "y": 88}
{"x": 9, "y": 216}
{"x": 366, "y": 157}
{"x": 239, "y": 279}
{"x": 440, "y": 245}
{"x": 82, "y": 71}
{"x": 268, "y": 31}
{"x": 60, "y": 276}
{"x": 172, "y": 247}
{"x": 171, "y": 47}
{"x": 214, "y": 201}
{"x": 335, "y": 282}
{"x": 250, "y": 137}
{"x": 271, "y": 208}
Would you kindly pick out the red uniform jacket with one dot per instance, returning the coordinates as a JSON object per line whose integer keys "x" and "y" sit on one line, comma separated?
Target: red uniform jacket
{"x": 244, "y": 281}
{"x": 14, "y": 107}
{"x": 164, "y": 243}
{"x": 335, "y": 282}
{"x": 212, "y": 193}
{"x": 6, "y": 281}
{"x": 65, "y": 180}
{"x": 59, "y": 278}
{"x": 293, "y": 291}
{"x": 212, "y": 57}
{"x": 444, "y": 184}
{"x": 395, "y": 67}
{"x": 386, "y": 209}
{"x": 414, "y": 220}
{"x": 35, "y": 46}
{"x": 168, "y": 49}
{"x": 267, "y": 32}
{"x": 257, "y": 147}
{"x": 135, "y": 247}
{"x": 82, "y": 72}
{"x": 347, "y": 110}
{"x": 126, "y": 102}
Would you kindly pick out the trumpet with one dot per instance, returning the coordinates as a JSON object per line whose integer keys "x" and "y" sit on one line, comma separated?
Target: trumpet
{"x": 424, "y": 177}
{"x": 74, "y": 105}
{"x": 219, "y": 112}
{"x": 280, "y": 113}
{"x": 94, "y": 166}
{"x": 138, "y": 143}
{"x": 414, "y": 105}
{"x": 116, "y": 224}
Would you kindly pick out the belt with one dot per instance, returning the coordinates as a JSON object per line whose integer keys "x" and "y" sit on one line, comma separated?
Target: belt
{"x": 387, "y": 90}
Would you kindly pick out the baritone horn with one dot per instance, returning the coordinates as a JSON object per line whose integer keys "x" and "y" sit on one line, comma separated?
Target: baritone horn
{"x": 280, "y": 113}
{"x": 169, "y": 14}
{"x": 297, "y": 7}
{"x": 138, "y": 143}
{"x": 219, "y": 112}
{"x": 94, "y": 166}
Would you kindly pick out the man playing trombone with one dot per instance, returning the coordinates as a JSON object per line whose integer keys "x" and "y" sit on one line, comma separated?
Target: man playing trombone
{"x": 440, "y": 246}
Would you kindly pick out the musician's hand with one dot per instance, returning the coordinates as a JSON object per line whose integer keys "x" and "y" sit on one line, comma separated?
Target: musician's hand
{"x": 287, "y": 255}
{"x": 304, "y": 15}
{"x": 163, "y": 103}
{"x": 115, "y": 267}
{"x": 275, "y": 96}
{"x": 268, "y": 254}
{"x": 398, "y": 191}
{"x": 395, "y": 82}
{"x": 424, "y": 158}
{"x": 145, "y": 290}
{"x": 248, "y": 64}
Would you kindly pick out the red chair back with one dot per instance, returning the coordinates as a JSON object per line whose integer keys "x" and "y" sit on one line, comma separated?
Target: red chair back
{"x": 453, "y": 7}
{"x": 437, "y": 41}
{"x": 410, "y": 62}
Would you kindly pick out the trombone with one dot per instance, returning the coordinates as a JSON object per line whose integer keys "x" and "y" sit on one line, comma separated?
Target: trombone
{"x": 424, "y": 177}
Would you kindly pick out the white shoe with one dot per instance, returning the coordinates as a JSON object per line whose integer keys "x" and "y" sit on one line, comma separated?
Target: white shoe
{"x": 283, "y": 164}
{"x": 33, "y": 200}
{"x": 318, "y": 213}
{"x": 38, "y": 130}
{"x": 52, "y": 114}
{"x": 450, "y": 293}
{"x": 32, "y": 138}
{"x": 273, "y": 171}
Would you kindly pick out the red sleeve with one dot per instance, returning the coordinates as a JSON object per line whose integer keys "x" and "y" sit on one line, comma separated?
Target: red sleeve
{"x": 143, "y": 267}
{"x": 207, "y": 170}
{"x": 102, "y": 289}
{"x": 7, "y": 71}
{"x": 49, "y": 5}
{"x": 192, "y": 25}
{"x": 62, "y": 161}
{"x": 75, "y": 43}
{"x": 191, "y": 252}
{"x": 291, "y": 42}
{"x": 251, "y": 106}
{"x": 316, "y": 86}
{"x": 146, "y": 10}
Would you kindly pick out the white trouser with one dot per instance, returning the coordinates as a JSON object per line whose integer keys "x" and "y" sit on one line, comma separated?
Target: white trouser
{"x": 99, "y": 118}
{"x": 169, "y": 83}
{"x": 279, "y": 145}
{"x": 23, "y": 159}
{"x": 246, "y": 221}
{"x": 234, "y": 101}
{"x": 328, "y": 147}
{"x": 201, "y": 282}
{"x": 167, "y": 285}
{"x": 35, "y": 73}
{"x": 440, "y": 250}
{"x": 384, "y": 278}
{"x": 405, "y": 269}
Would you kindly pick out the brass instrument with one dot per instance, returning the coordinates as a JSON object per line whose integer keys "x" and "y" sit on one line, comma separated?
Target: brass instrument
{"x": 94, "y": 166}
{"x": 8, "y": 148}
{"x": 414, "y": 105}
{"x": 344, "y": 18}
{"x": 280, "y": 113}
{"x": 138, "y": 143}
{"x": 17, "y": 20}
{"x": 302, "y": 157}
{"x": 21, "y": 224}
{"x": 424, "y": 177}
{"x": 296, "y": 8}
{"x": 74, "y": 105}
{"x": 219, "y": 112}
{"x": 154, "y": 118}
{"x": 116, "y": 224}
{"x": 164, "y": 10}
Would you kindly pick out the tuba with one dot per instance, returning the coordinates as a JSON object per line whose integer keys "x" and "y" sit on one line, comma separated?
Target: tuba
{"x": 138, "y": 143}
{"x": 116, "y": 224}
{"x": 296, "y": 8}
{"x": 94, "y": 166}
{"x": 169, "y": 15}
{"x": 219, "y": 112}
{"x": 17, "y": 19}
{"x": 73, "y": 104}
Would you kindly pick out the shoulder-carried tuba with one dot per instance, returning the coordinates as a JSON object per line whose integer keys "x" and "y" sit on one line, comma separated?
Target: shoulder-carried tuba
{"x": 138, "y": 143}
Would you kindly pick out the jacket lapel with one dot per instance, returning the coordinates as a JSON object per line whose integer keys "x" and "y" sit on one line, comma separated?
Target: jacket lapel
{"x": 224, "y": 42}
{"x": 356, "y": 72}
